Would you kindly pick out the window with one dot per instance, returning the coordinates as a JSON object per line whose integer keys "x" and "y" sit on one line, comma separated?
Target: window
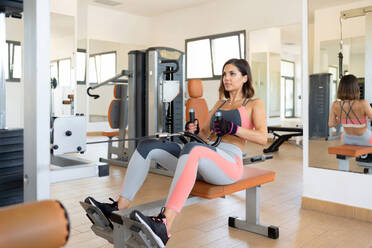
{"x": 102, "y": 67}
{"x": 287, "y": 71}
{"x": 80, "y": 66}
{"x": 61, "y": 70}
{"x": 13, "y": 61}
{"x": 205, "y": 56}
{"x": 333, "y": 87}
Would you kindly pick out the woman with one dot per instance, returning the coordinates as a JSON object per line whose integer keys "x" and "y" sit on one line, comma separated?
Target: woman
{"x": 244, "y": 119}
{"x": 351, "y": 113}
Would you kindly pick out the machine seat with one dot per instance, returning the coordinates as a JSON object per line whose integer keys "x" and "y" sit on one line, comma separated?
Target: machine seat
{"x": 252, "y": 177}
{"x": 349, "y": 150}
{"x": 110, "y": 134}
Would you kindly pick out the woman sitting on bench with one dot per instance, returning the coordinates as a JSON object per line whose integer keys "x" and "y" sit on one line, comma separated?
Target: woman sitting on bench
{"x": 244, "y": 119}
{"x": 351, "y": 113}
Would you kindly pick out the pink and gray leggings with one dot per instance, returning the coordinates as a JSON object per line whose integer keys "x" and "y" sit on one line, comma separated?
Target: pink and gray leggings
{"x": 220, "y": 165}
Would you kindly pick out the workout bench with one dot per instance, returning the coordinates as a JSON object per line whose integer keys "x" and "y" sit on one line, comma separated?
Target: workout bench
{"x": 280, "y": 138}
{"x": 124, "y": 232}
{"x": 345, "y": 152}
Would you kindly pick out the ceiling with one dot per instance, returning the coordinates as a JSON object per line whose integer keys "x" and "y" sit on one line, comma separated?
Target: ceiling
{"x": 147, "y": 8}
{"x": 151, "y": 8}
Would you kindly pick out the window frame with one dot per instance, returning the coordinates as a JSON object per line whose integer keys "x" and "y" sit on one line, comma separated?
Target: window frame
{"x": 78, "y": 82}
{"x": 11, "y": 79}
{"x": 57, "y": 61}
{"x": 99, "y": 54}
{"x": 211, "y": 38}
{"x": 294, "y": 88}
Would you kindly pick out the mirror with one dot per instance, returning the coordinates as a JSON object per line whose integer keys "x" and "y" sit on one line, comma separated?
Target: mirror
{"x": 325, "y": 43}
{"x": 106, "y": 59}
{"x": 276, "y": 62}
{"x": 62, "y": 47}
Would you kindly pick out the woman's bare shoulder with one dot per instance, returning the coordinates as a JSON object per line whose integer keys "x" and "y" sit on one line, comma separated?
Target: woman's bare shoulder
{"x": 256, "y": 102}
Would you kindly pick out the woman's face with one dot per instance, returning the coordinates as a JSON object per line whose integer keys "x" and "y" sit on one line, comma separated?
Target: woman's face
{"x": 233, "y": 79}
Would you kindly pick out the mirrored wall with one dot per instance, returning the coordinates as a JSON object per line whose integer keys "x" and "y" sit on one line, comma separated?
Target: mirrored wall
{"x": 336, "y": 49}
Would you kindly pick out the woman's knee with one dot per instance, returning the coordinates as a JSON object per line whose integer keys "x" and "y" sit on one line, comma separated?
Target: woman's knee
{"x": 193, "y": 145}
{"x": 145, "y": 146}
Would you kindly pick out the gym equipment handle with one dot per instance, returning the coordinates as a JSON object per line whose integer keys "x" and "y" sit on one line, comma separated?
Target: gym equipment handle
{"x": 171, "y": 61}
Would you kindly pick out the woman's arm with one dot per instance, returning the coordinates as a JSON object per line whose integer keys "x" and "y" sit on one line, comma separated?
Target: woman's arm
{"x": 333, "y": 122}
{"x": 367, "y": 109}
{"x": 258, "y": 118}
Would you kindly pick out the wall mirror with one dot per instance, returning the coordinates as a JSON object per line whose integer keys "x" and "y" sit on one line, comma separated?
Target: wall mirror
{"x": 62, "y": 64}
{"x": 341, "y": 35}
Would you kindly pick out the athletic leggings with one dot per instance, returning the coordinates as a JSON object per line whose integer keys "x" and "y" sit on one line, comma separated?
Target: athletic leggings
{"x": 220, "y": 165}
{"x": 363, "y": 140}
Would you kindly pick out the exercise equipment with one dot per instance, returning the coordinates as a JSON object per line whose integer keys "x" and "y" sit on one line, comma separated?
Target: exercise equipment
{"x": 43, "y": 224}
{"x": 68, "y": 135}
{"x": 282, "y": 134}
{"x": 124, "y": 232}
{"x": 345, "y": 152}
{"x": 11, "y": 140}
{"x": 320, "y": 102}
{"x": 149, "y": 101}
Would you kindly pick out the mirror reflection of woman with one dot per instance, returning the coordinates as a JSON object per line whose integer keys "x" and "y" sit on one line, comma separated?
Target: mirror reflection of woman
{"x": 352, "y": 113}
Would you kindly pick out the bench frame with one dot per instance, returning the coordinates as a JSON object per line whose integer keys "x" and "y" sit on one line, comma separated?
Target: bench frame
{"x": 345, "y": 152}
{"x": 279, "y": 139}
{"x": 124, "y": 232}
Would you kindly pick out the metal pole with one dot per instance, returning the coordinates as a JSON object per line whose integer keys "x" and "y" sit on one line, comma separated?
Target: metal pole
{"x": 3, "y": 51}
{"x": 37, "y": 97}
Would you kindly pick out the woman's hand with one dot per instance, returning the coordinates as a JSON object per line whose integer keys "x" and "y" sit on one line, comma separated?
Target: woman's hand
{"x": 222, "y": 127}
{"x": 192, "y": 127}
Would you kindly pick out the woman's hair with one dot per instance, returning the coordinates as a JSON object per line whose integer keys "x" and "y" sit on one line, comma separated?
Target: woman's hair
{"x": 245, "y": 70}
{"x": 348, "y": 89}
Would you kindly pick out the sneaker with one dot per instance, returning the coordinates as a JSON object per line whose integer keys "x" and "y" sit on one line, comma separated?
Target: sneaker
{"x": 106, "y": 208}
{"x": 157, "y": 226}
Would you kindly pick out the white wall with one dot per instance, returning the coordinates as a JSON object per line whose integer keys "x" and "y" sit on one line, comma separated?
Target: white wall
{"x": 330, "y": 185}
{"x": 221, "y": 16}
{"x": 116, "y": 26}
{"x": 327, "y": 27}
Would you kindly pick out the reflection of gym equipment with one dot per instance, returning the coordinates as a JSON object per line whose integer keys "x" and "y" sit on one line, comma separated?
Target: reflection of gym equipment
{"x": 279, "y": 137}
{"x": 68, "y": 135}
{"x": 124, "y": 232}
{"x": 151, "y": 102}
{"x": 319, "y": 107}
{"x": 34, "y": 225}
{"x": 345, "y": 152}
{"x": 11, "y": 140}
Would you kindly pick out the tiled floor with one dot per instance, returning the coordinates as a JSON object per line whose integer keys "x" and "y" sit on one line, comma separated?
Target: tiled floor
{"x": 205, "y": 224}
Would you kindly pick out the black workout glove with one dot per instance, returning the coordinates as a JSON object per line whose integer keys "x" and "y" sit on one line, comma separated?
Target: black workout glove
{"x": 223, "y": 127}
{"x": 197, "y": 127}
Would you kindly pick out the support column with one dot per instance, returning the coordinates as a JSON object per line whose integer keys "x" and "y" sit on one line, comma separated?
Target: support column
{"x": 3, "y": 51}
{"x": 368, "y": 58}
{"x": 37, "y": 99}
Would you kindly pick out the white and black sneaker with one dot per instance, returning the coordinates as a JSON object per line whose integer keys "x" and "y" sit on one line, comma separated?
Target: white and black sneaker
{"x": 106, "y": 208}
{"x": 156, "y": 225}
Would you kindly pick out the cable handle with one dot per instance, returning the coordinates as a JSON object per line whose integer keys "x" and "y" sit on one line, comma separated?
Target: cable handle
{"x": 90, "y": 94}
{"x": 165, "y": 61}
{"x": 192, "y": 115}
{"x": 217, "y": 117}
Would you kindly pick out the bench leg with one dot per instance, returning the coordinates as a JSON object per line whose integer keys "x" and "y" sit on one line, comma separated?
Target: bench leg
{"x": 252, "y": 216}
{"x": 343, "y": 163}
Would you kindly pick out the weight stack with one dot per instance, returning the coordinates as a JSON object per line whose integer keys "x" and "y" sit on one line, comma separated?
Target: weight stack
{"x": 11, "y": 166}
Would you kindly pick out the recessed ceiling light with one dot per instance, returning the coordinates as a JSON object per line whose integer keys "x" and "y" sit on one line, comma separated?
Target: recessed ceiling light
{"x": 108, "y": 2}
